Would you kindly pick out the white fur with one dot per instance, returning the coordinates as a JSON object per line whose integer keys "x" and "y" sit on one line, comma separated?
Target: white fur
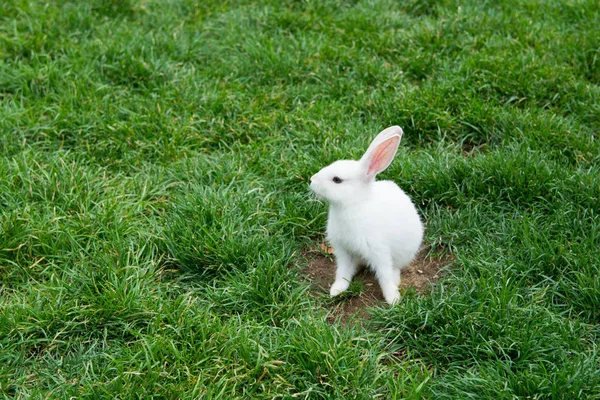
{"x": 370, "y": 222}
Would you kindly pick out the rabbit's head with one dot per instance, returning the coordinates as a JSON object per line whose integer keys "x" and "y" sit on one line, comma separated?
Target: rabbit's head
{"x": 348, "y": 181}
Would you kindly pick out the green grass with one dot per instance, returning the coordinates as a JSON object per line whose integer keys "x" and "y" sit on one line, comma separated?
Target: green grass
{"x": 154, "y": 204}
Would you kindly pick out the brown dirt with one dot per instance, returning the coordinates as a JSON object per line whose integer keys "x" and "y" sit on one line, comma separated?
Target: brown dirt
{"x": 364, "y": 292}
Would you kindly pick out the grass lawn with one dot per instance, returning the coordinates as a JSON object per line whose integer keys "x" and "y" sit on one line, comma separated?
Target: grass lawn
{"x": 154, "y": 203}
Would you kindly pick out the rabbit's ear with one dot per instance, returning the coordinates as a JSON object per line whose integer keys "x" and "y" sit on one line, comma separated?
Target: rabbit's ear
{"x": 381, "y": 152}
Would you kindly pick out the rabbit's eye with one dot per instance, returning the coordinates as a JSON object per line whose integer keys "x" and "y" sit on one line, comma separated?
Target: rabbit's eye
{"x": 337, "y": 179}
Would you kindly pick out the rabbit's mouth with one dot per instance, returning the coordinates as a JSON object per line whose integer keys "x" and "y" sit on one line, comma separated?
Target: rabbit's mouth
{"x": 315, "y": 189}
{"x": 319, "y": 197}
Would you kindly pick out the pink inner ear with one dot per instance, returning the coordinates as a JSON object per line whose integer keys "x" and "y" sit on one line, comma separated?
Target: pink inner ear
{"x": 383, "y": 155}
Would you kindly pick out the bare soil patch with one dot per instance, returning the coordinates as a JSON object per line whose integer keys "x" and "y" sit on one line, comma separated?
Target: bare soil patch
{"x": 364, "y": 291}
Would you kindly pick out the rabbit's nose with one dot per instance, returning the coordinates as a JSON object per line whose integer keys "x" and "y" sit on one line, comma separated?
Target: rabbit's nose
{"x": 312, "y": 178}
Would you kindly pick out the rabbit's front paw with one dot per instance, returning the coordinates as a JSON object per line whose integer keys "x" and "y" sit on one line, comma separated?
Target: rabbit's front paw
{"x": 392, "y": 296}
{"x": 338, "y": 287}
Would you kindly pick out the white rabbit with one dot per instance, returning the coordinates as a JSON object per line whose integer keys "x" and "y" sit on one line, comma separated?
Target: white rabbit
{"x": 370, "y": 222}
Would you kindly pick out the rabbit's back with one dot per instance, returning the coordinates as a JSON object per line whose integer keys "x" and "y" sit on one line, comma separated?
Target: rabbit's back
{"x": 400, "y": 219}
